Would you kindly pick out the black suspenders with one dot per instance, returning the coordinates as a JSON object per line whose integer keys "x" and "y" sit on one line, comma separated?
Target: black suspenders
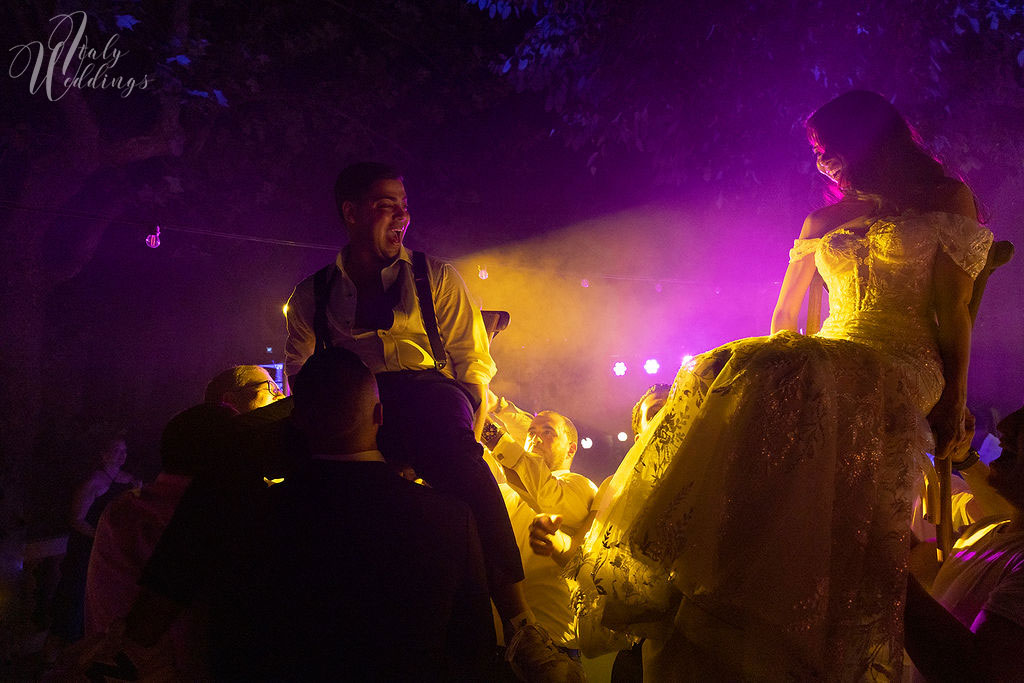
{"x": 322, "y": 281}
{"x": 324, "y": 278}
{"x": 422, "y": 279}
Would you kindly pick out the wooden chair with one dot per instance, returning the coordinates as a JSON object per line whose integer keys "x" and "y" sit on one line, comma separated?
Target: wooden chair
{"x": 999, "y": 254}
{"x": 495, "y": 321}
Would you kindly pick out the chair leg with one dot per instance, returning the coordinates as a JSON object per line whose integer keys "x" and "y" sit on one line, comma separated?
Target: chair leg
{"x": 944, "y": 527}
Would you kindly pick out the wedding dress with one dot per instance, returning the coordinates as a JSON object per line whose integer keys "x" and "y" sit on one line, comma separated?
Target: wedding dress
{"x": 758, "y": 529}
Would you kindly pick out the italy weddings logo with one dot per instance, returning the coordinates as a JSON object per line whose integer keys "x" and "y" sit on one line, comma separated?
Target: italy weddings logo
{"x": 67, "y": 61}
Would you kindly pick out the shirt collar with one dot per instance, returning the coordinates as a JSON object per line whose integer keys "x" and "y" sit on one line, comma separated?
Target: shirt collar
{"x": 403, "y": 255}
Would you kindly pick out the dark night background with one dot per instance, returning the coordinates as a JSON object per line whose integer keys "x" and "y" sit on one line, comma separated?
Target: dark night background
{"x": 653, "y": 149}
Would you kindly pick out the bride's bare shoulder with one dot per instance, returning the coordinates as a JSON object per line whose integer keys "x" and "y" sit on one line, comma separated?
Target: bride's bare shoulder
{"x": 830, "y": 217}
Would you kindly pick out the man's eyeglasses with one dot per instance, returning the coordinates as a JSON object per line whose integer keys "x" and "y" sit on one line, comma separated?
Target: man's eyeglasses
{"x": 271, "y": 386}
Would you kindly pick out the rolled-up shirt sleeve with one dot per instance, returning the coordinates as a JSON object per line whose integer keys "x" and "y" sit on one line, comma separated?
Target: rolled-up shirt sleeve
{"x": 462, "y": 328}
{"x": 561, "y": 493}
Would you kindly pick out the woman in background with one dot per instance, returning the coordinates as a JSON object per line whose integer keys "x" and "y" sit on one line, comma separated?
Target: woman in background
{"x": 106, "y": 482}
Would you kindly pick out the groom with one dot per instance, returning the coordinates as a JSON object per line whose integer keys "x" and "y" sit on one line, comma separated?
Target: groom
{"x": 411, "y": 321}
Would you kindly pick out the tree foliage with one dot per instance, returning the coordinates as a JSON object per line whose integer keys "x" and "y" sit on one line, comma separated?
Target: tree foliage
{"x": 695, "y": 86}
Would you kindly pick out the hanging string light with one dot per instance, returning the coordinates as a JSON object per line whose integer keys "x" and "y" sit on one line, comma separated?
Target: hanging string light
{"x": 153, "y": 241}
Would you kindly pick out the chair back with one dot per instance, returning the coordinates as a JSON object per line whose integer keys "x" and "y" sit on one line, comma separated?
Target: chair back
{"x": 495, "y": 321}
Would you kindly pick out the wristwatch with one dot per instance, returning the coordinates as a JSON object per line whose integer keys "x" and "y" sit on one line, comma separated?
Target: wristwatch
{"x": 972, "y": 457}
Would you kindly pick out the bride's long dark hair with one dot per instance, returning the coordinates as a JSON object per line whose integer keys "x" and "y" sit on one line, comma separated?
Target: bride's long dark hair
{"x": 883, "y": 154}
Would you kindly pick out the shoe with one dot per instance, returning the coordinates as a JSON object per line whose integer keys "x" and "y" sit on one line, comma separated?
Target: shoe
{"x": 535, "y": 658}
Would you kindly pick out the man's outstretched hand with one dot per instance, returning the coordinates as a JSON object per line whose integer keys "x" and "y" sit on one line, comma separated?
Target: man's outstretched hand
{"x": 545, "y": 538}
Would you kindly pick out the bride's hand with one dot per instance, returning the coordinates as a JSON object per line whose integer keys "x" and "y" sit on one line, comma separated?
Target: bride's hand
{"x": 947, "y": 420}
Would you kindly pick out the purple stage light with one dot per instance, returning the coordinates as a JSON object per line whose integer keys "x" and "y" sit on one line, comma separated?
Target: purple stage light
{"x": 619, "y": 369}
{"x": 651, "y": 366}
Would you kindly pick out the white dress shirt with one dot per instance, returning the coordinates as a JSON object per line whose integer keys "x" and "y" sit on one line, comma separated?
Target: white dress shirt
{"x": 405, "y": 345}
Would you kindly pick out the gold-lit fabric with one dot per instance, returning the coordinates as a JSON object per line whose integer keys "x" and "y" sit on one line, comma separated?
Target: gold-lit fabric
{"x": 758, "y": 529}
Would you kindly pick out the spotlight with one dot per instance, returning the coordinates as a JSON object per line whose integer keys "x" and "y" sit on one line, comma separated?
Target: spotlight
{"x": 584, "y": 283}
{"x": 622, "y": 436}
{"x": 586, "y": 442}
{"x": 481, "y": 272}
{"x": 651, "y": 366}
{"x": 619, "y": 369}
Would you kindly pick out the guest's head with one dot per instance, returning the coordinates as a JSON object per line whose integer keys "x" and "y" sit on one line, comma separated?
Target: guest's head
{"x": 105, "y": 443}
{"x": 1006, "y": 473}
{"x": 649, "y": 405}
{"x": 194, "y": 439}
{"x": 862, "y": 143}
{"x": 553, "y": 437}
{"x": 336, "y": 403}
{"x": 244, "y": 388}
{"x": 115, "y": 455}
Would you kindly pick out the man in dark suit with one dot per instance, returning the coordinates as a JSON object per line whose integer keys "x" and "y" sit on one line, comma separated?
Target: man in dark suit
{"x": 351, "y": 572}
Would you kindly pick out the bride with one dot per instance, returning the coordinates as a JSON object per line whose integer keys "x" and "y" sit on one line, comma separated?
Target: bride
{"x": 759, "y": 527}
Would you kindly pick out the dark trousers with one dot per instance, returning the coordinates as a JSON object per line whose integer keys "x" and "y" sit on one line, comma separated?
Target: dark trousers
{"x": 428, "y": 424}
